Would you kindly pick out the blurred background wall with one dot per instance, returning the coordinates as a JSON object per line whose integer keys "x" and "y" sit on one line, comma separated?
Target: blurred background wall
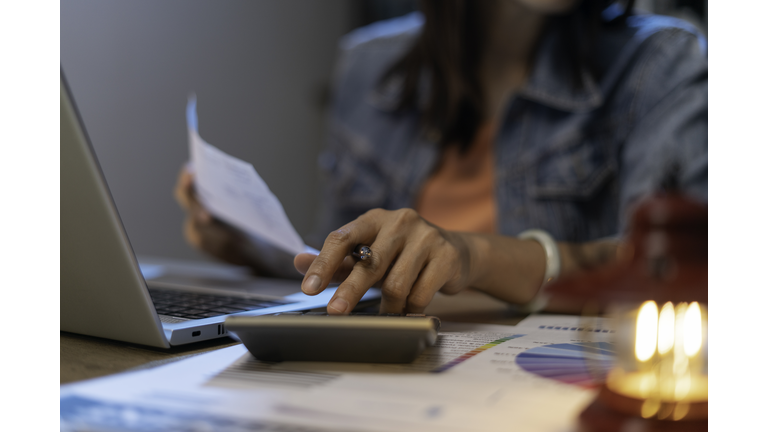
{"x": 260, "y": 70}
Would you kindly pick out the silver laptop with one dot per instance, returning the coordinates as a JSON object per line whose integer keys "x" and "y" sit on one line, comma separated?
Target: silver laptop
{"x": 103, "y": 291}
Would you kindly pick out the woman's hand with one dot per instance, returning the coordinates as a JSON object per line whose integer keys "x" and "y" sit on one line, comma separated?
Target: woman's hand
{"x": 205, "y": 232}
{"x": 412, "y": 260}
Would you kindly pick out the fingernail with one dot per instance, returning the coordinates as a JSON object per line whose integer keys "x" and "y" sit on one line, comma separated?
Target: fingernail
{"x": 311, "y": 285}
{"x": 339, "y": 305}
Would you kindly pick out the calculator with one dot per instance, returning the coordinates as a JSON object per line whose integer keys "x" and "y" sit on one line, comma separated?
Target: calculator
{"x": 317, "y": 336}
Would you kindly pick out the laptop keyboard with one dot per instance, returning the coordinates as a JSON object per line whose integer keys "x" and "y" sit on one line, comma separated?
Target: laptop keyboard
{"x": 188, "y": 305}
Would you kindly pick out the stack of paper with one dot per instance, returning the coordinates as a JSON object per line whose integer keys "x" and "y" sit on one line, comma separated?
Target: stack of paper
{"x": 537, "y": 376}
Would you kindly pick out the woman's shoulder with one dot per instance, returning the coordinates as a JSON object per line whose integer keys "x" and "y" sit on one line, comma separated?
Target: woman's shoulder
{"x": 640, "y": 26}
{"x": 646, "y": 41}
{"x": 645, "y": 58}
{"x": 645, "y": 26}
{"x": 384, "y": 35}
{"x": 366, "y": 53}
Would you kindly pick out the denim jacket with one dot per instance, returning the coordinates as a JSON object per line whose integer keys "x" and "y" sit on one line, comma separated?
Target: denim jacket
{"x": 569, "y": 161}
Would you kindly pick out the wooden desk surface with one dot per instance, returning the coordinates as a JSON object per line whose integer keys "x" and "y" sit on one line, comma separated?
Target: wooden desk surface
{"x": 84, "y": 357}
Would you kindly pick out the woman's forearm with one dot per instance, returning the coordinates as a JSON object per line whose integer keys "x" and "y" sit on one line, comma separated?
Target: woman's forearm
{"x": 512, "y": 270}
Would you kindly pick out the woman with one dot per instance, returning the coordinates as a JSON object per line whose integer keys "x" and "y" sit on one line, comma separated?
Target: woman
{"x": 456, "y": 132}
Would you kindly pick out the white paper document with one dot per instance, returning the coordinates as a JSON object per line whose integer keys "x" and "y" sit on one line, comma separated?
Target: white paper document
{"x": 233, "y": 191}
{"x": 527, "y": 379}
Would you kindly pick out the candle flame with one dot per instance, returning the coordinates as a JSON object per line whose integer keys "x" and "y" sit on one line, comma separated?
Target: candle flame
{"x": 666, "y": 328}
{"x": 645, "y": 335}
{"x": 692, "y": 330}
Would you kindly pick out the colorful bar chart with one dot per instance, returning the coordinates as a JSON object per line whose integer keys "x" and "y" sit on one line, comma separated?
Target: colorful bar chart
{"x": 474, "y": 352}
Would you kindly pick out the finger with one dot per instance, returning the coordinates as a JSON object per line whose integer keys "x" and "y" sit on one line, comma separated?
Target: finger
{"x": 189, "y": 202}
{"x": 201, "y": 215}
{"x": 336, "y": 248}
{"x": 185, "y": 196}
{"x": 191, "y": 233}
{"x": 431, "y": 279}
{"x": 302, "y": 262}
{"x": 398, "y": 282}
{"x": 183, "y": 192}
{"x": 387, "y": 246}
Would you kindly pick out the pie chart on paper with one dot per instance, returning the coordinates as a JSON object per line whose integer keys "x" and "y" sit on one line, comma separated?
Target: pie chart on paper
{"x": 582, "y": 364}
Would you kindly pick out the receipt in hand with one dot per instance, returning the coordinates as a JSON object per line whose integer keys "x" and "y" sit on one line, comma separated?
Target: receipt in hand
{"x": 233, "y": 191}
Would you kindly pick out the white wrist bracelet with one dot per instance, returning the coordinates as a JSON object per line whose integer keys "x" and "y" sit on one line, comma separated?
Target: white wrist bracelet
{"x": 551, "y": 271}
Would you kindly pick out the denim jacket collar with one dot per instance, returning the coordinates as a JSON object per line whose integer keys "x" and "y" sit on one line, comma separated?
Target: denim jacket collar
{"x": 549, "y": 84}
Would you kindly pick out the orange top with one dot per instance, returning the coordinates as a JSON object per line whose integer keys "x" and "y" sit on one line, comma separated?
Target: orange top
{"x": 459, "y": 196}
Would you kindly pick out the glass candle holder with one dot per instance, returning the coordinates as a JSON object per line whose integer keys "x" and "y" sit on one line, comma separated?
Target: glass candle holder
{"x": 661, "y": 366}
{"x": 657, "y": 295}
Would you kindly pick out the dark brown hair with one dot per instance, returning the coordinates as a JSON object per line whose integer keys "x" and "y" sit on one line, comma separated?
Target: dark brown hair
{"x": 449, "y": 50}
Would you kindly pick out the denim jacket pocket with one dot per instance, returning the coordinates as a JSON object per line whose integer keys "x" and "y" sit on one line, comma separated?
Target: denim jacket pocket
{"x": 575, "y": 171}
{"x": 355, "y": 185}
